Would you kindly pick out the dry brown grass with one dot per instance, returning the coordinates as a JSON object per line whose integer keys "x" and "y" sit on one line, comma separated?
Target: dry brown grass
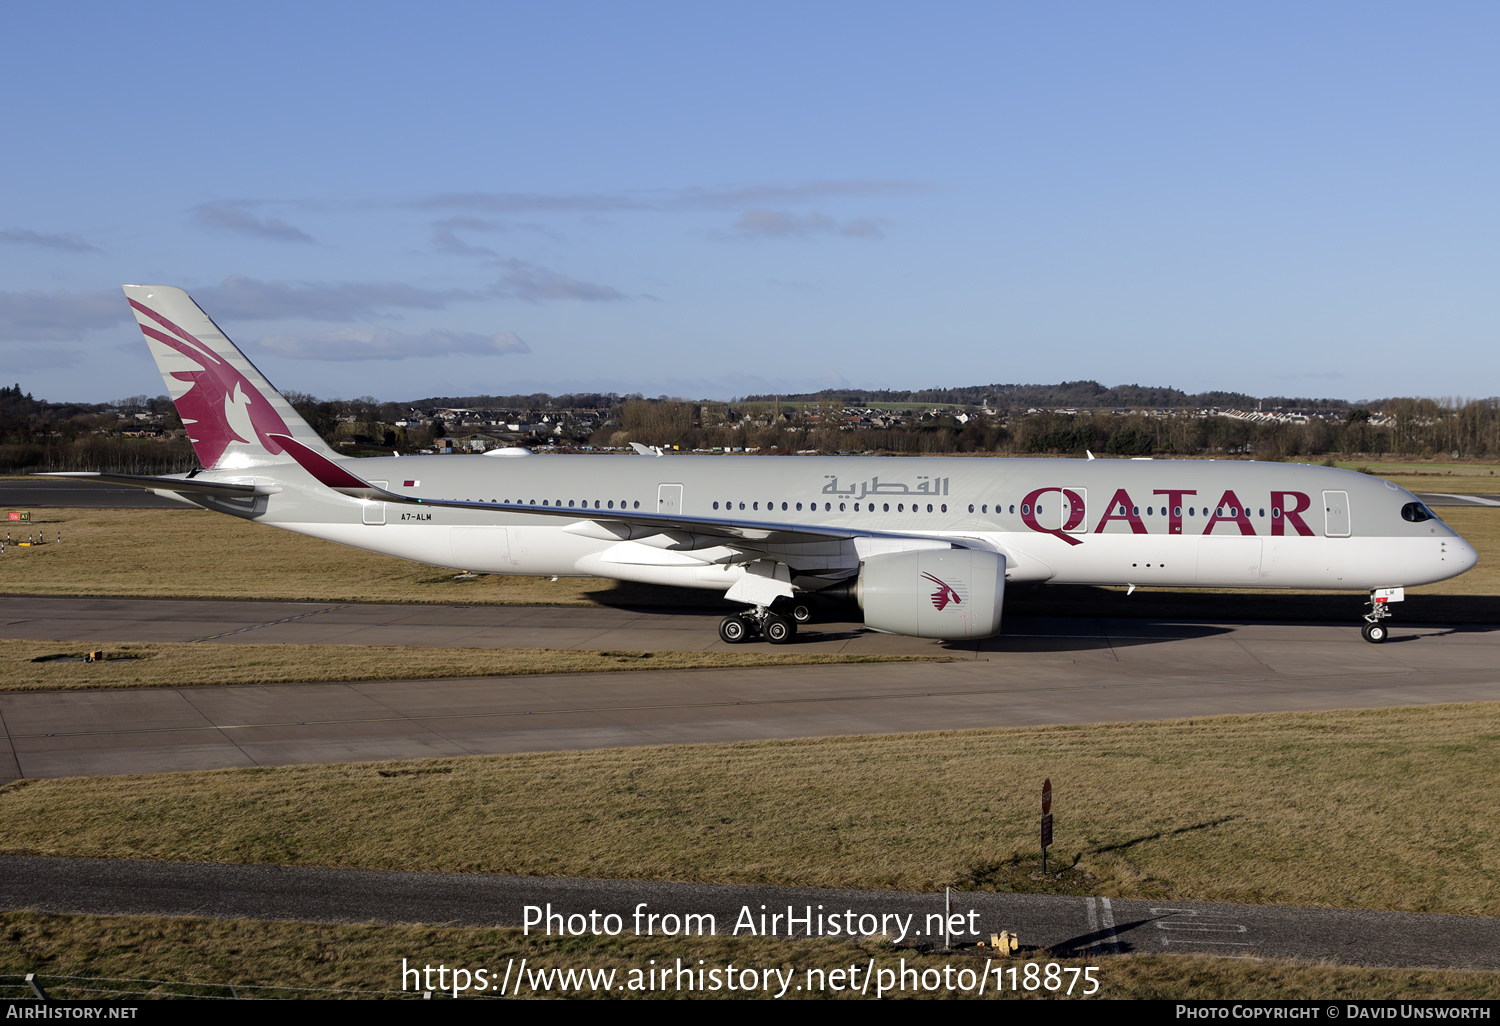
{"x": 34, "y": 666}
{"x": 1464, "y": 477}
{"x": 197, "y": 554}
{"x": 1390, "y": 808}
{"x": 367, "y": 958}
{"x": 1480, "y": 527}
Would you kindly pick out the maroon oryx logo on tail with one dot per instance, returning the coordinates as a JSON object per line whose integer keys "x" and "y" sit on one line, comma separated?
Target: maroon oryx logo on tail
{"x": 943, "y": 595}
{"x": 220, "y": 406}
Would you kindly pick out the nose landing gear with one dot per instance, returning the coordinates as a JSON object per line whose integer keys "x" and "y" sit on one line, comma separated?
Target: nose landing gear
{"x": 1374, "y": 631}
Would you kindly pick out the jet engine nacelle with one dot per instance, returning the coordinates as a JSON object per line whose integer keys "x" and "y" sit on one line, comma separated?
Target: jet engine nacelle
{"x": 933, "y": 593}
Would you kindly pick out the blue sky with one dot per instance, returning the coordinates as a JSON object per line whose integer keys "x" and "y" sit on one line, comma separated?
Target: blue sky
{"x": 713, "y": 199}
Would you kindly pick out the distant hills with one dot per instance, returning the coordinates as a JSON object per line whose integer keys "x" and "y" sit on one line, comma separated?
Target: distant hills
{"x": 1080, "y": 394}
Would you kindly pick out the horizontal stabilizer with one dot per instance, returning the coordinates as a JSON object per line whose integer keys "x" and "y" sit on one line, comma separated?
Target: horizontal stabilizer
{"x": 186, "y": 485}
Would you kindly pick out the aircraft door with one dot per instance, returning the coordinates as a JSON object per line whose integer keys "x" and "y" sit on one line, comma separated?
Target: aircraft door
{"x": 1062, "y": 509}
{"x": 1075, "y": 510}
{"x": 1336, "y": 514}
{"x": 669, "y": 499}
{"x": 483, "y": 549}
{"x": 374, "y": 512}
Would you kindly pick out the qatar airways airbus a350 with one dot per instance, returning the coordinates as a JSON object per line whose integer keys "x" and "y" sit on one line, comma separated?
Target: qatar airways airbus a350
{"x": 924, "y": 545}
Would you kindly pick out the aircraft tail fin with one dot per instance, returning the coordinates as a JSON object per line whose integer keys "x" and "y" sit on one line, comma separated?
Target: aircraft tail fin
{"x": 230, "y": 410}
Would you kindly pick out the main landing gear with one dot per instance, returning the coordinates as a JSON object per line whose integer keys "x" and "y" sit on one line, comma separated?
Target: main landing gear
{"x": 774, "y": 627}
{"x": 1374, "y": 631}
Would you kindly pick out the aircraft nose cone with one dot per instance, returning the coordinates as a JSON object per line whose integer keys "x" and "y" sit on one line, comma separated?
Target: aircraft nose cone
{"x": 1467, "y": 554}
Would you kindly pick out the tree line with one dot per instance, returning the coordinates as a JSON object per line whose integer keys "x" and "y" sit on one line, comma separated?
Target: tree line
{"x": 36, "y": 435}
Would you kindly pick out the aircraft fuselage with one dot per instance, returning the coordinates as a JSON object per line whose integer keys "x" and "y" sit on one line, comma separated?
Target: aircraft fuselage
{"x": 1063, "y": 521}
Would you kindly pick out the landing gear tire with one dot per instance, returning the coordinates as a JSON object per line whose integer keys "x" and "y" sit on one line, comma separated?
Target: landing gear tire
{"x": 734, "y": 629}
{"x": 778, "y": 629}
{"x": 1374, "y": 633}
{"x": 802, "y": 613}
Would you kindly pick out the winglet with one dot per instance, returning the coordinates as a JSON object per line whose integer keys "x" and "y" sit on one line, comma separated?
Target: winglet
{"x": 331, "y": 474}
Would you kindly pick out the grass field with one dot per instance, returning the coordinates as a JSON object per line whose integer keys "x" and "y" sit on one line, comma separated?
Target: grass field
{"x": 35, "y": 666}
{"x": 1390, "y": 809}
{"x": 198, "y": 554}
{"x": 368, "y": 958}
{"x": 1465, "y": 477}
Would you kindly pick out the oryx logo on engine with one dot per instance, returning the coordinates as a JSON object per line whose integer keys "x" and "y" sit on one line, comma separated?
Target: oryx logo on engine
{"x": 944, "y": 595}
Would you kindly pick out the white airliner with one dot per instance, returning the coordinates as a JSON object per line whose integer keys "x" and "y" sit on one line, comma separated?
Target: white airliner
{"x": 924, "y": 545}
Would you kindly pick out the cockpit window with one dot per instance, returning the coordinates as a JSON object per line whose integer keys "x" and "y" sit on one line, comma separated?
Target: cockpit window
{"x": 1416, "y": 512}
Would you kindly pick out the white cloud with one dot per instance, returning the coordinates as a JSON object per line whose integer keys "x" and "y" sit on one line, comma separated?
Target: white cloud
{"x": 690, "y": 198}
{"x": 33, "y": 359}
{"x": 64, "y": 241}
{"x": 36, "y": 316}
{"x": 446, "y": 240}
{"x": 784, "y": 224}
{"x": 249, "y": 299}
{"x": 233, "y": 217}
{"x": 534, "y": 284}
{"x": 384, "y": 344}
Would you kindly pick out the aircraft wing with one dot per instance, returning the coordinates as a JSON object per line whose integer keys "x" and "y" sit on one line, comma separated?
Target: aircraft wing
{"x": 223, "y": 489}
{"x": 634, "y": 524}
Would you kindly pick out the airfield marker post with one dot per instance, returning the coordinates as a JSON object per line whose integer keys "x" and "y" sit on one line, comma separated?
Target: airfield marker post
{"x": 1046, "y": 820}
